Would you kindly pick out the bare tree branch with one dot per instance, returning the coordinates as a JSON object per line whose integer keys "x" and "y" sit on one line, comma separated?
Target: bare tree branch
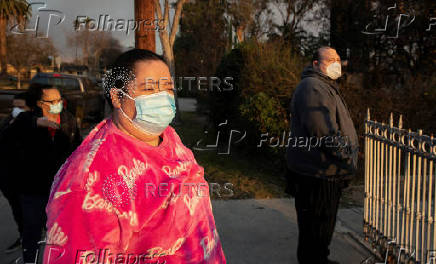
{"x": 167, "y": 13}
{"x": 159, "y": 13}
{"x": 176, "y": 21}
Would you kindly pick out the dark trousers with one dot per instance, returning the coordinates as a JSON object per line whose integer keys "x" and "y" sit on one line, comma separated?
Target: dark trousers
{"x": 34, "y": 219}
{"x": 316, "y": 202}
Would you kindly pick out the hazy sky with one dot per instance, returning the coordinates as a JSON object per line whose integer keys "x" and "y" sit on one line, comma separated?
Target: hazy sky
{"x": 71, "y": 9}
{"x": 116, "y": 9}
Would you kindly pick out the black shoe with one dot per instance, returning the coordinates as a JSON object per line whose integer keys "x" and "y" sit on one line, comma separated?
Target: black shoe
{"x": 14, "y": 247}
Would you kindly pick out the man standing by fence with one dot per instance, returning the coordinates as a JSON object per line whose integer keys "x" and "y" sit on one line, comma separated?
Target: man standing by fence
{"x": 323, "y": 166}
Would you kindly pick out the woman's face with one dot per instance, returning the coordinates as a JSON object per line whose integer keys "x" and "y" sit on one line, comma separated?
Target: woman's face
{"x": 150, "y": 77}
{"x": 49, "y": 97}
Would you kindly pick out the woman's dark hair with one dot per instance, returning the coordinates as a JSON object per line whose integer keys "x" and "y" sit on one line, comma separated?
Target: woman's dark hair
{"x": 34, "y": 94}
{"x": 123, "y": 69}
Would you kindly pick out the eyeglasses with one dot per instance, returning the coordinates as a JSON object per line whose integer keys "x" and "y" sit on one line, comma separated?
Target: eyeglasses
{"x": 52, "y": 102}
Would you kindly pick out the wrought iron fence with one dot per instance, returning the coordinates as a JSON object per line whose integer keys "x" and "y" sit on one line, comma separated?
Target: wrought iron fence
{"x": 399, "y": 215}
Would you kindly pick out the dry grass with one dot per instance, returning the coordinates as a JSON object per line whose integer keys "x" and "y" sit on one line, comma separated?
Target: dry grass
{"x": 250, "y": 175}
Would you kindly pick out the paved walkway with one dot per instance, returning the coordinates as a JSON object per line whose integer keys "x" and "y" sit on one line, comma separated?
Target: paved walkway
{"x": 251, "y": 231}
{"x": 8, "y": 231}
{"x": 187, "y": 104}
{"x": 265, "y": 231}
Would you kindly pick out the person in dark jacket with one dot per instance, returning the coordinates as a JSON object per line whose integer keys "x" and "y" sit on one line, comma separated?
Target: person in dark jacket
{"x": 37, "y": 143}
{"x": 8, "y": 185}
{"x": 323, "y": 157}
{"x": 19, "y": 105}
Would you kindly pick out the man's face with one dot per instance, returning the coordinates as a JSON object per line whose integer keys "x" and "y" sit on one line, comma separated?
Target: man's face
{"x": 20, "y": 103}
{"x": 327, "y": 57}
{"x": 150, "y": 77}
{"x": 49, "y": 97}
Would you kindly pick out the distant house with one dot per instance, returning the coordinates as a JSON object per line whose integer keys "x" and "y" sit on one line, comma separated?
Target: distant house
{"x": 74, "y": 69}
{"x": 27, "y": 73}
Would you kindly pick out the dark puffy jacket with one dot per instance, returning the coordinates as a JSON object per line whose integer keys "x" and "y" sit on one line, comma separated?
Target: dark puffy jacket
{"x": 31, "y": 156}
{"x": 324, "y": 142}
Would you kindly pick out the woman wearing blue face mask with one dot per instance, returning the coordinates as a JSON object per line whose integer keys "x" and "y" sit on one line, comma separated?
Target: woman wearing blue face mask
{"x": 142, "y": 97}
{"x": 35, "y": 146}
{"x": 132, "y": 188}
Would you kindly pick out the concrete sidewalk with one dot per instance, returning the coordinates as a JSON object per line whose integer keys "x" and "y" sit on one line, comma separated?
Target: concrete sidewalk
{"x": 8, "y": 232}
{"x": 251, "y": 231}
{"x": 266, "y": 231}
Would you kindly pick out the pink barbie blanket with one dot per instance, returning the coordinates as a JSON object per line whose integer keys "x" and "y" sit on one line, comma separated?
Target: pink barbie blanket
{"x": 119, "y": 200}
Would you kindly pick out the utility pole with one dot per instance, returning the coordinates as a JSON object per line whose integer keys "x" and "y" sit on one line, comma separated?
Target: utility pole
{"x": 145, "y": 34}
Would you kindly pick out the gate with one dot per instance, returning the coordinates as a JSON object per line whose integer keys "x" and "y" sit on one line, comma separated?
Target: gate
{"x": 399, "y": 213}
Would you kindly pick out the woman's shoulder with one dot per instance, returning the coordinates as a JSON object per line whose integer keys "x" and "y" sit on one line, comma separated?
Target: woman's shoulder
{"x": 180, "y": 150}
{"x": 77, "y": 166}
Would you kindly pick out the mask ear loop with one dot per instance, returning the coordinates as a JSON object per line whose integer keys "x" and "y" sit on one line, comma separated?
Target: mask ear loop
{"x": 131, "y": 121}
{"x": 126, "y": 94}
{"x": 121, "y": 108}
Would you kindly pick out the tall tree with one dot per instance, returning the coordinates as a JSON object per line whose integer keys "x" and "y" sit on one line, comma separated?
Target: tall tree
{"x": 81, "y": 38}
{"x": 101, "y": 43}
{"x": 390, "y": 36}
{"x": 25, "y": 51}
{"x": 249, "y": 17}
{"x": 202, "y": 39}
{"x": 167, "y": 36}
{"x": 10, "y": 10}
{"x": 92, "y": 44}
{"x": 168, "y": 33}
{"x": 145, "y": 37}
{"x": 296, "y": 16}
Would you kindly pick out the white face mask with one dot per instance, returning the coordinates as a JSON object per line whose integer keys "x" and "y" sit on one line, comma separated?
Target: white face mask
{"x": 334, "y": 70}
{"x": 56, "y": 108}
{"x": 16, "y": 111}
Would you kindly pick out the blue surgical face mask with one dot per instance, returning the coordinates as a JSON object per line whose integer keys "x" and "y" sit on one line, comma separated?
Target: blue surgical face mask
{"x": 154, "y": 112}
{"x": 56, "y": 108}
